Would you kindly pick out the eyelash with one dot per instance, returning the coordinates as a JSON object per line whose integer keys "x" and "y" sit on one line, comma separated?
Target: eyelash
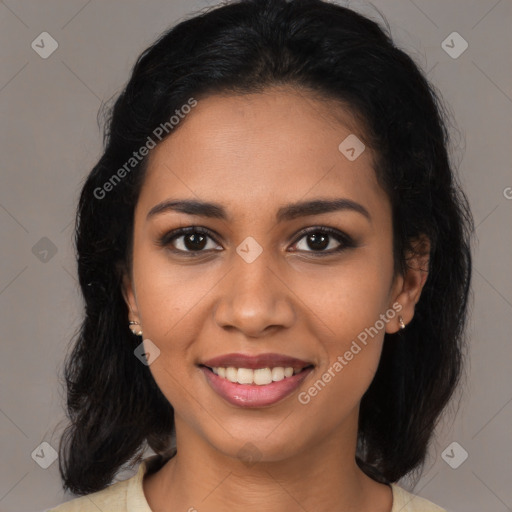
{"x": 346, "y": 242}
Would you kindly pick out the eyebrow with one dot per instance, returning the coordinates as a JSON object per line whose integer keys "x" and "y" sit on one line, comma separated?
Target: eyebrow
{"x": 287, "y": 212}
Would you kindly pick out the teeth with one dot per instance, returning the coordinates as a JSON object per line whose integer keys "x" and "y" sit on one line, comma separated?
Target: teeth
{"x": 260, "y": 376}
{"x": 231, "y": 374}
{"x": 277, "y": 374}
{"x": 245, "y": 376}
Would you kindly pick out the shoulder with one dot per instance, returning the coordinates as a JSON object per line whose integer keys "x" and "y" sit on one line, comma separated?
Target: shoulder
{"x": 123, "y": 496}
{"x": 404, "y": 501}
{"x": 113, "y": 499}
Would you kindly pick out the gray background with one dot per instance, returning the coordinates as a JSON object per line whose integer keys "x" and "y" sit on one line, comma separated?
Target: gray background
{"x": 50, "y": 140}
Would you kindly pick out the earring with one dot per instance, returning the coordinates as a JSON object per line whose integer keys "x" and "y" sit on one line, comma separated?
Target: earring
{"x": 401, "y": 322}
{"x": 135, "y": 331}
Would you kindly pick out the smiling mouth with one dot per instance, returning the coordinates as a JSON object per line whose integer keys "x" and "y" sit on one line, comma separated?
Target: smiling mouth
{"x": 257, "y": 376}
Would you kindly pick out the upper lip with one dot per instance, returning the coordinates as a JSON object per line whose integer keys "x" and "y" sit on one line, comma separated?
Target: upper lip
{"x": 258, "y": 361}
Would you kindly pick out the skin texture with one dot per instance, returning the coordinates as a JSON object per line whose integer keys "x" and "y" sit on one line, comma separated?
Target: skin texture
{"x": 253, "y": 154}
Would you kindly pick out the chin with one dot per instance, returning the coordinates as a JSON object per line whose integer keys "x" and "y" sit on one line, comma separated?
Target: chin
{"x": 252, "y": 448}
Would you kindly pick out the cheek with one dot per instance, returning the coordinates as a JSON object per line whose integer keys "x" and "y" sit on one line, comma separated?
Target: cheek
{"x": 165, "y": 299}
{"x": 348, "y": 322}
{"x": 168, "y": 294}
{"x": 351, "y": 350}
{"x": 347, "y": 298}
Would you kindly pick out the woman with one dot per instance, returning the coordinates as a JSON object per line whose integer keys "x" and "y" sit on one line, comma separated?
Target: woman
{"x": 274, "y": 255}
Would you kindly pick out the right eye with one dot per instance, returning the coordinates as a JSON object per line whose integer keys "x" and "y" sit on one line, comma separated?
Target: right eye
{"x": 194, "y": 240}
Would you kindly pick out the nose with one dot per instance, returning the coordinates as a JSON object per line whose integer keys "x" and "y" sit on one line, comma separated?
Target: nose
{"x": 254, "y": 299}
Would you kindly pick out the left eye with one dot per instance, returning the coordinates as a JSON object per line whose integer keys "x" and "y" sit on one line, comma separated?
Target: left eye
{"x": 320, "y": 239}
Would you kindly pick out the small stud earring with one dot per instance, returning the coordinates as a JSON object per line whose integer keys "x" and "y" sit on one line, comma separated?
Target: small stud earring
{"x": 135, "y": 331}
{"x": 401, "y": 322}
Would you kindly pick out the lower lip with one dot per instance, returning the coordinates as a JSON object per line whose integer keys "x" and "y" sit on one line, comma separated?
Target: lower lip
{"x": 252, "y": 395}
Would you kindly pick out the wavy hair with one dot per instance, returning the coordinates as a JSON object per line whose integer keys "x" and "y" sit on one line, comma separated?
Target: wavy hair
{"x": 114, "y": 407}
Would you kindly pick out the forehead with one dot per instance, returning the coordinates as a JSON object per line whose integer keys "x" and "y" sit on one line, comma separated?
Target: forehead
{"x": 249, "y": 149}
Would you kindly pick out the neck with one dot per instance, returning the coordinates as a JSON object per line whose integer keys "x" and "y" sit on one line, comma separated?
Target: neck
{"x": 325, "y": 477}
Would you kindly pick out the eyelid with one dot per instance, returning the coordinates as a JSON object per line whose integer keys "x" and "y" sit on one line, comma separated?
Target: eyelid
{"x": 172, "y": 235}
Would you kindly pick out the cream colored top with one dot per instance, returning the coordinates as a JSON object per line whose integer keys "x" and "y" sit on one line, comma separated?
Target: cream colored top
{"x": 128, "y": 496}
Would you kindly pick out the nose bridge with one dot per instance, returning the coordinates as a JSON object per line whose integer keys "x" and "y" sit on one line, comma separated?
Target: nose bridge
{"x": 252, "y": 270}
{"x": 253, "y": 297}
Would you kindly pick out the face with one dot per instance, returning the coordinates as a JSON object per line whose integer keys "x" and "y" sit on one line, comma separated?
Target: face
{"x": 246, "y": 279}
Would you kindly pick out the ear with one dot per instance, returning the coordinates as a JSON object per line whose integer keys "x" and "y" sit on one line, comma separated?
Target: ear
{"x": 128, "y": 292}
{"x": 408, "y": 287}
